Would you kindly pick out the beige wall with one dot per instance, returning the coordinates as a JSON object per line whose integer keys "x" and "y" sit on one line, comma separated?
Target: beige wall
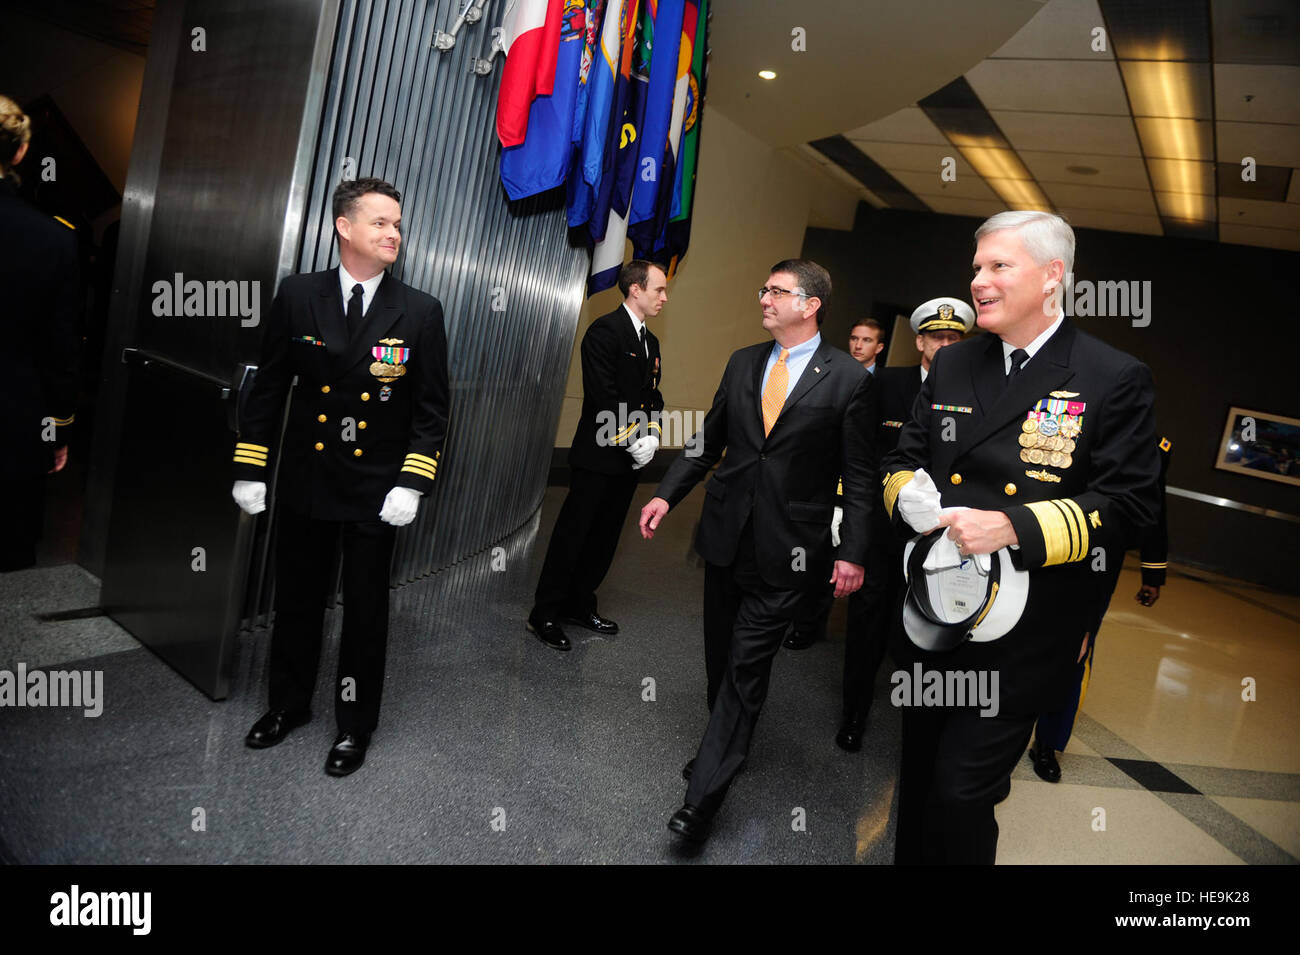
{"x": 752, "y": 205}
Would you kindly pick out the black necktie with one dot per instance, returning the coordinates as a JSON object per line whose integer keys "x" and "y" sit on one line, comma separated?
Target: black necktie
{"x": 644, "y": 353}
{"x": 354, "y": 309}
{"x": 1018, "y": 357}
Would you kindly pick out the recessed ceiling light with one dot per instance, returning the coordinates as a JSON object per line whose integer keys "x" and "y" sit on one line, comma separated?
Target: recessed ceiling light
{"x": 1082, "y": 170}
{"x": 767, "y": 74}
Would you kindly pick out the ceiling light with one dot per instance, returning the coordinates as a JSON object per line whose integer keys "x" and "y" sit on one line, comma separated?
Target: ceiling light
{"x": 1180, "y": 90}
{"x": 767, "y": 74}
{"x": 1186, "y": 139}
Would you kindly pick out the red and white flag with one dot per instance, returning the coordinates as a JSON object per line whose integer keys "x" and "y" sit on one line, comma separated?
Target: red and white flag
{"x": 530, "y": 38}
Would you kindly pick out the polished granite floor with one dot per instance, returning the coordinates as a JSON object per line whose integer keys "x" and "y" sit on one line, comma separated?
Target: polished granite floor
{"x": 495, "y": 749}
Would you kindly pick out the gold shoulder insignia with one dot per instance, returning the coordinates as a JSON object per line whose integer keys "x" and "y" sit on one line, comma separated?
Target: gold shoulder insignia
{"x": 65, "y": 222}
{"x": 1165, "y": 444}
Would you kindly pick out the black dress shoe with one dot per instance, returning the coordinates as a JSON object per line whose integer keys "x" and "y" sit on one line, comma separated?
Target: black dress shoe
{"x": 1045, "y": 764}
{"x": 852, "y": 729}
{"x": 274, "y": 727}
{"x": 347, "y": 754}
{"x": 549, "y": 632}
{"x": 801, "y": 636}
{"x": 691, "y": 823}
{"x": 686, "y": 770}
{"x": 594, "y": 622}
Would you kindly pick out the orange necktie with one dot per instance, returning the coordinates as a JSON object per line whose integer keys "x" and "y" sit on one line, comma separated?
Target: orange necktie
{"x": 774, "y": 393}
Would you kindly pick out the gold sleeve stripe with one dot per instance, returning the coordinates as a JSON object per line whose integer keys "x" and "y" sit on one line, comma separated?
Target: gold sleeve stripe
{"x": 626, "y": 432}
{"x": 241, "y": 458}
{"x": 64, "y": 422}
{"x": 252, "y": 448}
{"x": 893, "y": 484}
{"x": 420, "y": 470}
{"x": 424, "y": 459}
{"x": 655, "y": 425}
{"x": 65, "y": 222}
{"x": 1065, "y": 533}
{"x": 1152, "y": 565}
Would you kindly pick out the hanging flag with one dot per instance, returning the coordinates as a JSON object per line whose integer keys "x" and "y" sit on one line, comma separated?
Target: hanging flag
{"x": 530, "y": 39}
{"x": 608, "y": 222}
{"x": 648, "y": 233}
{"x": 542, "y": 160}
{"x": 589, "y": 195}
{"x": 678, "y": 232}
{"x": 655, "y": 165}
{"x": 596, "y": 101}
{"x": 590, "y": 41}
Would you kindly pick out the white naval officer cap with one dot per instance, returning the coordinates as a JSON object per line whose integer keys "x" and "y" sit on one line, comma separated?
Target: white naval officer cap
{"x": 942, "y": 315}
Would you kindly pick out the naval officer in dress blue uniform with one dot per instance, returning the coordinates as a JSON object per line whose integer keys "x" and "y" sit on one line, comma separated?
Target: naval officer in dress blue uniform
{"x": 363, "y": 444}
{"x": 1045, "y": 436}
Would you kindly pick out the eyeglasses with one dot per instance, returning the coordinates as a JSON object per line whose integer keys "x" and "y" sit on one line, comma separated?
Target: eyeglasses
{"x": 780, "y": 293}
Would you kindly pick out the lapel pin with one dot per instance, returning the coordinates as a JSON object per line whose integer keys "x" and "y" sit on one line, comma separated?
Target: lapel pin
{"x": 816, "y": 370}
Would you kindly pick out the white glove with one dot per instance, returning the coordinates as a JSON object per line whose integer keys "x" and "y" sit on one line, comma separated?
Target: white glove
{"x": 250, "y": 496}
{"x": 836, "y": 520}
{"x": 918, "y": 503}
{"x": 400, "y": 506}
{"x": 945, "y": 554}
{"x": 642, "y": 450}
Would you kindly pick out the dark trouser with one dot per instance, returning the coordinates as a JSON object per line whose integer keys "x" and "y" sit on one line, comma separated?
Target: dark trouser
{"x": 583, "y": 542}
{"x": 872, "y": 613}
{"x": 1056, "y": 727}
{"x": 24, "y": 517}
{"x": 956, "y": 765}
{"x": 304, "y": 557}
{"x": 745, "y": 621}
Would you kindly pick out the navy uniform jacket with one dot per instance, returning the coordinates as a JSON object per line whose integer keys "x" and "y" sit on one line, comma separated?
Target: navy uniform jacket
{"x": 785, "y": 482}
{"x": 898, "y": 388}
{"x": 38, "y": 335}
{"x": 1154, "y": 550}
{"x": 971, "y": 434}
{"x": 368, "y": 415}
{"x": 620, "y": 394}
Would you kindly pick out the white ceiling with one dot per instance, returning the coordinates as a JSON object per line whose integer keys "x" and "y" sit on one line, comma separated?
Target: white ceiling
{"x": 1060, "y": 104}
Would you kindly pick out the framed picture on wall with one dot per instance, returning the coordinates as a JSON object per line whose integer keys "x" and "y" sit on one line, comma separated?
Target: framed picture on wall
{"x": 1262, "y": 445}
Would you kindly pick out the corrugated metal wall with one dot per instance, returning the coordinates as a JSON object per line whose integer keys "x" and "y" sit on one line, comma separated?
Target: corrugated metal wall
{"x": 510, "y": 285}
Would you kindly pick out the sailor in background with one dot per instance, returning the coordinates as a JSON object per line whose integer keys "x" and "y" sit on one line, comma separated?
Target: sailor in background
{"x": 871, "y": 611}
{"x": 38, "y": 348}
{"x": 1056, "y": 727}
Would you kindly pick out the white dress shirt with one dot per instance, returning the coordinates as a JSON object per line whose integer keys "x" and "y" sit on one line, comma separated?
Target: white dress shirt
{"x": 369, "y": 286}
{"x": 1032, "y": 347}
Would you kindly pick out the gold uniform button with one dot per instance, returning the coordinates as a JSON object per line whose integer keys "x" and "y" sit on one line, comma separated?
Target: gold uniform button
{"x": 956, "y": 479}
{"x": 319, "y": 446}
{"x": 356, "y": 453}
{"x": 324, "y": 389}
{"x": 1010, "y": 489}
{"x": 361, "y": 425}
{"x": 365, "y": 396}
{"x": 321, "y": 418}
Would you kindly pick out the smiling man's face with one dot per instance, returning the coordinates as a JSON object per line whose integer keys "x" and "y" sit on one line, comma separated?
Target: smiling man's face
{"x": 1007, "y": 288}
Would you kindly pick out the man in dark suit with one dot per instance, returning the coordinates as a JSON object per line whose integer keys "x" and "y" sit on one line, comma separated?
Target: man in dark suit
{"x": 937, "y": 323}
{"x": 38, "y": 348}
{"x": 617, "y": 434}
{"x": 1044, "y": 437}
{"x": 792, "y": 416}
{"x": 362, "y": 445}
